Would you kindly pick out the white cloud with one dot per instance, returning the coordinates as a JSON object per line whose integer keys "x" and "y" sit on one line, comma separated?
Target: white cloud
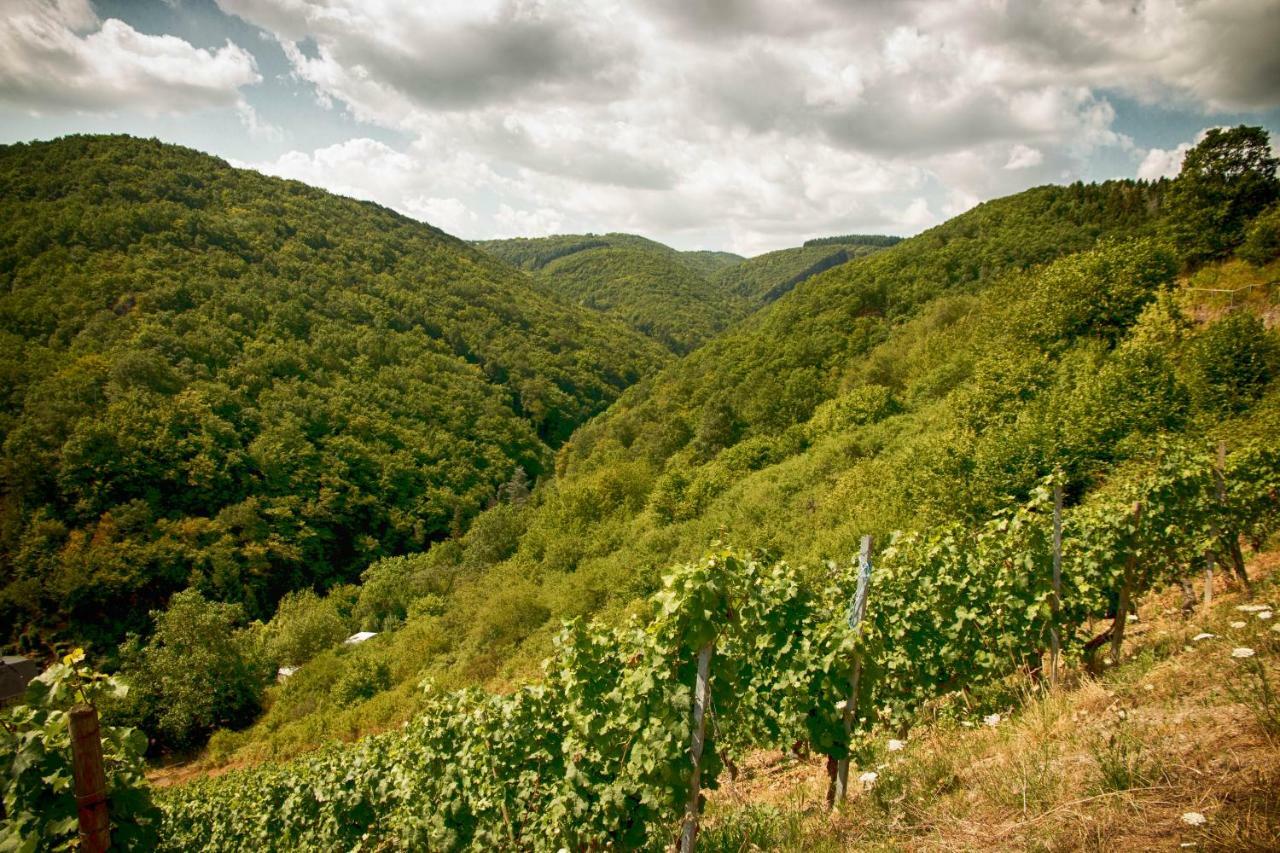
{"x": 253, "y": 123}
{"x": 1023, "y": 157}
{"x": 447, "y": 214}
{"x": 361, "y": 168}
{"x": 917, "y": 214}
{"x": 744, "y": 123}
{"x": 57, "y": 56}
{"x": 1159, "y": 163}
{"x": 527, "y": 223}
{"x": 1217, "y": 54}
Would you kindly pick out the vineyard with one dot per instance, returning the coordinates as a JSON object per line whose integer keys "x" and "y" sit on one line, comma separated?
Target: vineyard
{"x": 599, "y": 753}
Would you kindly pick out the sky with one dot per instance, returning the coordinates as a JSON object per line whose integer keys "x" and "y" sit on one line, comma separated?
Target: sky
{"x": 737, "y": 125}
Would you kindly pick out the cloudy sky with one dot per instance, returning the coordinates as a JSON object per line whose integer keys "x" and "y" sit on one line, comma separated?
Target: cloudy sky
{"x": 743, "y": 125}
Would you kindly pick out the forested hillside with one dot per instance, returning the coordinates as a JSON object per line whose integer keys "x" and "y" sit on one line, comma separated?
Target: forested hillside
{"x": 1022, "y": 408}
{"x": 667, "y": 295}
{"x": 927, "y": 384}
{"x": 248, "y": 386}
{"x": 534, "y": 253}
{"x": 766, "y": 277}
{"x": 681, "y": 299}
{"x": 863, "y": 401}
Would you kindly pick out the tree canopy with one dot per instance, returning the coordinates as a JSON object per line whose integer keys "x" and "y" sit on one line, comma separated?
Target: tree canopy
{"x": 673, "y": 297}
{"x": 246, "y": 385}
{"x": 1226, "y": 180}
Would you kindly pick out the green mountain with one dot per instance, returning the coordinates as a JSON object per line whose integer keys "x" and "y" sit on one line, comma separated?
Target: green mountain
{"x": 927, "y": 383}
{"x": 242, "y": 384}
{"x": 656, "y": 290}
{"x": 710, "y": 263}
{"x": 766, "y": 277}
{"x": 862, "y": 401}
{"x": 881, "y": 241}
{"x": 1027, "y": 397}
{"x": 928, "y": 386}
{"x": 534, "y": 253}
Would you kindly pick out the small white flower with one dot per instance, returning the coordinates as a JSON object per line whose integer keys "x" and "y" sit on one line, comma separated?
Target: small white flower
{"x": 992, "y": 720}
{"x": 1237, "y": 624}
{"x": 1148, "y": 687}
{"x": 1204, "y": 635}
{"x": 1242, "y": 652}
{"x": 842, "y": 704}
{"x": 1194, "y": 819}
{"x": 1266, "y": 614}
{"x": 869, "y": 778}
{"x": 1131, "y": 618}
{"x": 896, "y": 745}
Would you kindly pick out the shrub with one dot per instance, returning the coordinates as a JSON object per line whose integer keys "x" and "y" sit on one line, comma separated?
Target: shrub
{"x": 1230, "y": 363}
{"x": 199, "y": 671}
{"x": 1262, "y": 238}
{"x": 304, "y": 625}
{"x": 863, "y": 405}
{"x": 362, "y": 679}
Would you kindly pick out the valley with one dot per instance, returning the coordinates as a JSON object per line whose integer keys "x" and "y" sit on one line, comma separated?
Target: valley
{"x": 548, "y": 481}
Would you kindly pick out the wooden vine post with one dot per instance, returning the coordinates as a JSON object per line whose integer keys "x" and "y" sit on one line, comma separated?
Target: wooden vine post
{"x": 1126, "y": 583}
{"x": 840, "y": 789}
{"x": 701, "y": 699}
{"x": 90, "y": 779}
{"x": 1057, "y": 579}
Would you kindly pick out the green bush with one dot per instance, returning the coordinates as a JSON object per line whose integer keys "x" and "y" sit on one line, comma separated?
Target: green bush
{"x": 362, "y": 679}
{"x": 863, "y": 405}
{"x": 1230, "y": 362}
{"x": 1262, "y": 238}
{"x": 1098, "y": 293}
{"x": 386, "y": 589}
{"x": 304, "y": 625}
{"x": 199, "y": 671}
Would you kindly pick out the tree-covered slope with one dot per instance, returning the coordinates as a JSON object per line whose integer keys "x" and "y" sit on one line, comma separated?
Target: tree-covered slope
{"x": 771, "y": 371}
{"x": 220, "y": 379}
{"x": 534, "y": 253}
{"x": 766, "y": 277}
{"x": 882, "y": 241}
{"x": 925, "y": 385}
{"x": 652, "y": 292}
{"x": 710, "y": 263}
{"x": 654, "y": 289}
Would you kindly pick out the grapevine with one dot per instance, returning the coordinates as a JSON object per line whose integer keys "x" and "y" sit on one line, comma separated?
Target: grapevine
{"x": 596, "y": 755}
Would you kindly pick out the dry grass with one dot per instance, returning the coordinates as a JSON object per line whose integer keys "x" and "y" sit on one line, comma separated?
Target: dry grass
{"x": 1106, "y": 764}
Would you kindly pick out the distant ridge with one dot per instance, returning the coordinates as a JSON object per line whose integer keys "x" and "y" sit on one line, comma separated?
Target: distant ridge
{"x": 671, "y": 296}
{"x": 881, "y": 240}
